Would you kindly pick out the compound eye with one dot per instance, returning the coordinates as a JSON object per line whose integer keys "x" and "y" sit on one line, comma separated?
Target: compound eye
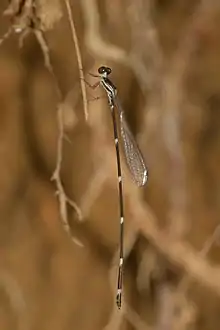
{"x": 108, "y": 70}
{"x": 102, "y": 69}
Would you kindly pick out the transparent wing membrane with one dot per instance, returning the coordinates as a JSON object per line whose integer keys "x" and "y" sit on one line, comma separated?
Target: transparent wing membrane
{"x": 132, "y": 152}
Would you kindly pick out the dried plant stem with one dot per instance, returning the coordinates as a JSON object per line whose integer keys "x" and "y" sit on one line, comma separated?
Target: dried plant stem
{"x": 63, "y": 198}
{"x": 46, "y": 54}
{"x": 79, "y": 58}
{"x": 16, "y": 298}
{"x": 94, "y": 189}
{"x": 5, "y": 36}
{"x": 93, "y": 39}
{"x": 181, "y": 300}
{"x": 177, "y": 251}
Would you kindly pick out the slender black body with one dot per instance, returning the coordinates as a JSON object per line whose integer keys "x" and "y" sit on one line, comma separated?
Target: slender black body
{"x": 133, "y": 157}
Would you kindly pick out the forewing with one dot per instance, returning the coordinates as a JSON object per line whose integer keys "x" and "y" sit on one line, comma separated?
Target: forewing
{"x": 132, "y": 152}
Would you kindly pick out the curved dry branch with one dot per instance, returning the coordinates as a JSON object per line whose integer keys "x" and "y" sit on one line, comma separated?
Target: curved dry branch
{"x": 173, "y": 87}
{"x": 93, "y": 38}
{"x": 63, "y": 198}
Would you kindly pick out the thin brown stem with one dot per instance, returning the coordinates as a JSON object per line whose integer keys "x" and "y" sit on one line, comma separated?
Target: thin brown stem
{"x": 79, "y": 58}
{"x": 5, "y": 36}
{"x": 63, "y": 198}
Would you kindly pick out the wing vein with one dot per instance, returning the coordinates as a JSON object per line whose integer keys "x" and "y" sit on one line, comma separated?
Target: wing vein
{"x": 132, "y": 152}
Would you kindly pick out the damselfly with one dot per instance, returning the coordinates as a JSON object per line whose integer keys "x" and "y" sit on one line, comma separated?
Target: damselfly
{"x": 133, "y": 158}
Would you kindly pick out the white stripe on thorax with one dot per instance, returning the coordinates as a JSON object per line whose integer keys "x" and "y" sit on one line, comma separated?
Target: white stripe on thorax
{"x": 108, "y": 88}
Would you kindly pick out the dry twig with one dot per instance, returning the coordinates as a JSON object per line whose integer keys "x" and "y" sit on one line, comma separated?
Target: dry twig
{"x": 5, "y": 36}
{"x": 95, "y": 43}
{"x": 22, "y": 22}
{"x": 180, "y": 298}
{"x": 79, "y": 58}
{"x": 16, "y": 297}
{"x": 94, "y": 190}
{"x": 63, "y": 198}
{"x": 146, "y": 61}
{"x": 173, "y": 85}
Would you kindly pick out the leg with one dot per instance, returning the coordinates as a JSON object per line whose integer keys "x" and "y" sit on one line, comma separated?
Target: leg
{"x": 94, "y": 75}
{"x": 92, "y": 86}
{"x": 96, "y": 98}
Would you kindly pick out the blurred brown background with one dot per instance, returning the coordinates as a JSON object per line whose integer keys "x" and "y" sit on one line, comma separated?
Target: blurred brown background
{"x": 165, "y": 60}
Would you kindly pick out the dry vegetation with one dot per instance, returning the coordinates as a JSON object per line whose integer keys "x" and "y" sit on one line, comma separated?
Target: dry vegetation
{"x": 58, "y": 186}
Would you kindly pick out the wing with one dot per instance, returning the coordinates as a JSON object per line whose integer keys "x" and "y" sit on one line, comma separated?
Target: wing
{"x": 132, "y": 152}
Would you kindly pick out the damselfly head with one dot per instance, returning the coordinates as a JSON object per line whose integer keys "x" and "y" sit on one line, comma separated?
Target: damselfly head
{"x": 104, "y": 71}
